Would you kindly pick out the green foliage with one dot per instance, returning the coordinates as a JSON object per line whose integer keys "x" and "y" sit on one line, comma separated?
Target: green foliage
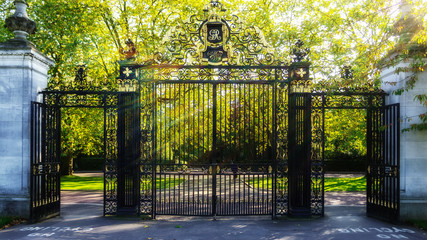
{"x": 82, "y": 131}
{"x": 411, "y": 49}
{"x": 419, "y": 224}
{"x": 343, "y": 32}
{"x": 345, "y": 133}
{"x": 356, "y": 32}
{"x": 8, "y": 221}
{"x": 5, "y": 221}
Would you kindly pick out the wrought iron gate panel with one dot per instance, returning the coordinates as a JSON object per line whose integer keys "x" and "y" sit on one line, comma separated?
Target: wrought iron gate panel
{"x": 244, "y": 148}
{"x": 183, "y": 142}
{"x": 45, "y": 161}
{"x": 214, "y": 150}
{"x": 383, "y": 178}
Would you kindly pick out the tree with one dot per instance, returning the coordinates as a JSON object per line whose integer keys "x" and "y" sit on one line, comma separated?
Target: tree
{"x": 357, "y": 33}
{"x": 82, "y": 132}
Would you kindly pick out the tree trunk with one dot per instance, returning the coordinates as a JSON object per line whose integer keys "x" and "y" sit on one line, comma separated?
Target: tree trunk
{"x": 67, "y": 165}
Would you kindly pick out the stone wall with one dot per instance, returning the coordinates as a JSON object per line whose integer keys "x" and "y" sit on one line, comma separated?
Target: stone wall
{"x": 23, "y": 73}
{"x": 413, "y": 144}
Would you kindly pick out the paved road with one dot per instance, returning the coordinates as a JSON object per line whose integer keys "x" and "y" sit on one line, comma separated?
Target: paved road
{"x": 82, "y": 221}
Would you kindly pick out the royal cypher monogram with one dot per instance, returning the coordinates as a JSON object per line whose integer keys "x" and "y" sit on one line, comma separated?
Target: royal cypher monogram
{"x": 214, "y": 34}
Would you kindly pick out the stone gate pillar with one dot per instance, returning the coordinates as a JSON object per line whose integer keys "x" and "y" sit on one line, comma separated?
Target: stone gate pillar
{"x": 23, "y": 73}
{"x": 413, "y": 144}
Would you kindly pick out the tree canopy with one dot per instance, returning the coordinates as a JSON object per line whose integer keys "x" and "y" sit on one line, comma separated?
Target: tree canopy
{"x": 356, "y": 33}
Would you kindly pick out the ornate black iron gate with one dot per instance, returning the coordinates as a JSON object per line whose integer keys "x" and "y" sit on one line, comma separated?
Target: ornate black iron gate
{"x": 45, "y": 161}
{"x": 122, "y": 137}
{"x": 214, "y": 126}
{"x": 383, "y": 178}
{"x": 214, "y": 147}
{"x": 382, "y": 139}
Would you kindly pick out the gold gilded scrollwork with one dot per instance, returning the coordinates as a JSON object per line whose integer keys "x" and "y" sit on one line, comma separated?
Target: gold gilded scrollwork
{"x": 301, "y": 86}
{"x": 216, "y": 38}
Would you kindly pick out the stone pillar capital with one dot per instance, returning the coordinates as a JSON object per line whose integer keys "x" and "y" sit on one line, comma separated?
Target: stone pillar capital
{"x": 19, "y": 23}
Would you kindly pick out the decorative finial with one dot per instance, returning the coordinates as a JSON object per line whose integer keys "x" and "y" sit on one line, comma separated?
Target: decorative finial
{"x": 130, "y": 52}
{"x": 214, "y": 3}
{"x": 19, "y": 23}
{"x": 80, "y": 80}
{"x": 299, "y": 52}
{"x": 347, "y": 72}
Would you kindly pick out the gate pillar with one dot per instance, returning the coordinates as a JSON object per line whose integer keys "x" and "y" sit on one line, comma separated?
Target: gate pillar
{"x": 23, "y": 72}
{"x": 299, "y": 140}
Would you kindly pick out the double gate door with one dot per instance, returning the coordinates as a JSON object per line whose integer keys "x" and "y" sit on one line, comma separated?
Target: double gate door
{"x": 214, "y": 148}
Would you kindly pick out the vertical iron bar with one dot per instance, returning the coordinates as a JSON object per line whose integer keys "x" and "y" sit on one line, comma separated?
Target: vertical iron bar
{"x": 214, "y": 149}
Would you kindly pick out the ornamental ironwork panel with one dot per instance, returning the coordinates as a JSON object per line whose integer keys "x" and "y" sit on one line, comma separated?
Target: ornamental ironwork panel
{"x": 216, "y": 38}
{"x": 280, "y": 184}
{"x": 111, "y": 161}
{"x": 147, "y": 164}
{"x": 45, "y": 161}
{"x": 317, "y": 155}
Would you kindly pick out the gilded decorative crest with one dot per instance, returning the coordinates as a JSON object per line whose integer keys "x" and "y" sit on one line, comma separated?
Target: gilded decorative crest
{"x": 215, "y": 39}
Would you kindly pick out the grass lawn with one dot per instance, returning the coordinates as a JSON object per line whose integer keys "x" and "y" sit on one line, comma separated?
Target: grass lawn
{"x": 331, "y": 184}
{"x": 97, "y": 183}
{"x": 345, "y": 184}
{"x": 82, "y": 183}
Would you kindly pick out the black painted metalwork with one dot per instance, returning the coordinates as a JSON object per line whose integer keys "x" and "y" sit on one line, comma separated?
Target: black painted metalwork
{"x": 299, "y": 154}
{"x": 216, "y": 126}
{"x": 128, "y": 150}
{"x": 45, "y": 161}
{"x": 383, "y": 178}
{"x": 121, "y": 142}
{"x": 214, "y": 142}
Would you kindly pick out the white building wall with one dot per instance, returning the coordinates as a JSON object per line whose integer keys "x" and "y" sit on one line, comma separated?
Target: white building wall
{"x": 413, "y": 144}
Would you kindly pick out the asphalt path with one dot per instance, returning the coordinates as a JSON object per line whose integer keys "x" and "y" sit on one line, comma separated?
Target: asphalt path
{"x": 83, "y": 221}
{"x": 81, "y": 218}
